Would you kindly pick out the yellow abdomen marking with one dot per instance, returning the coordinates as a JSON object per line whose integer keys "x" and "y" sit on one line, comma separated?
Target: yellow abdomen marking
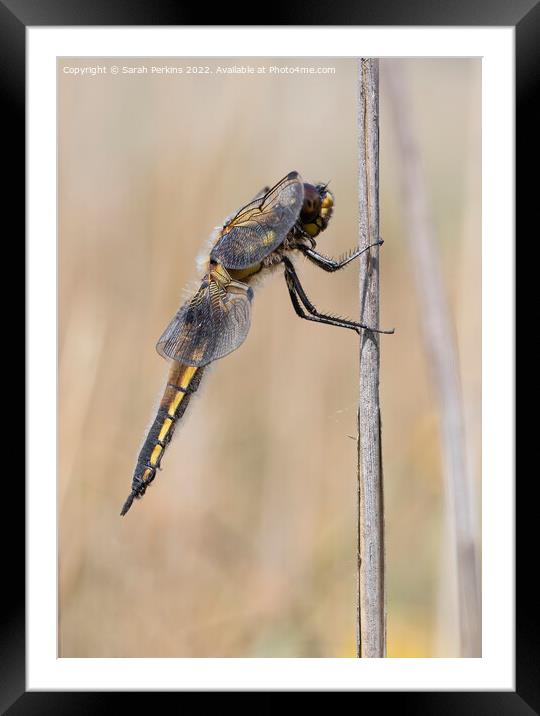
{"x": 165, "y": 429}
{"x": 175, "y": 403}
{"x": 156, "y": 452}
{"x": 187, "y": 376}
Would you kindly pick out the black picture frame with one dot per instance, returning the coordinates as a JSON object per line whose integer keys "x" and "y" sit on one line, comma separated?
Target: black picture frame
{"x": 15, "y": 17}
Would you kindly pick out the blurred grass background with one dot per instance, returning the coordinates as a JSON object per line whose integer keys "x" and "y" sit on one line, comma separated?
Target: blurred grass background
{"x": 246, "y": 544}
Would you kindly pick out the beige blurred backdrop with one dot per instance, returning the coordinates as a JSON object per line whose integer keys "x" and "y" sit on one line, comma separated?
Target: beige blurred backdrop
{"x": 246, "y": 544}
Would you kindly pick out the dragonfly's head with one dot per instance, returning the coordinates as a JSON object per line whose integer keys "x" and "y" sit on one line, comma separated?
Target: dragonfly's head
{"x": 316, "y": 209}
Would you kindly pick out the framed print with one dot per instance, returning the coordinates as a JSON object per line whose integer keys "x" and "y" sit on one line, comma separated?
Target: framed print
{"x": 170, "y": 168}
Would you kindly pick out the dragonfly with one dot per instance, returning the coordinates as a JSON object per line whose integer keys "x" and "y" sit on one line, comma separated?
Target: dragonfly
{"x": 279, "y": 222}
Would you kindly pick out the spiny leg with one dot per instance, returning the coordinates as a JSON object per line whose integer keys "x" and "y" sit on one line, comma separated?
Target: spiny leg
{"x": 300, "y": 311}
{"x": 296, "y": 292}
{"x": 329, "y": 264}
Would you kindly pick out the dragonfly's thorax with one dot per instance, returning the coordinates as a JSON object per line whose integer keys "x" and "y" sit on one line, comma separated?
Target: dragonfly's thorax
{"x": 313, "y": 218}
{"x": 246, "y": 274}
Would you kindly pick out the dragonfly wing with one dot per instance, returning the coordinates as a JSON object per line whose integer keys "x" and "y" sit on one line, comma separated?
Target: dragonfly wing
{"x": 260, "y": 226}
{"x": 213, "y": 323}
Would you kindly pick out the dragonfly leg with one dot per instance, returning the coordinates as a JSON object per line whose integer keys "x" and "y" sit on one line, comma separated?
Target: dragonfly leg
{"x": 301, "y": 312}
{"x": 329, "y": 264}
{"x": 300, "y": 301}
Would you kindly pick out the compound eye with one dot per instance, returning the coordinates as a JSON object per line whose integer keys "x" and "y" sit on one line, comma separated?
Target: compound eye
{"x": 312, "y": 203}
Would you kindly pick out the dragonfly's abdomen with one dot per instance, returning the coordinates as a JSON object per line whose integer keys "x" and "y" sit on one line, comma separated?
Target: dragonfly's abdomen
{"x": 183, "y": 381}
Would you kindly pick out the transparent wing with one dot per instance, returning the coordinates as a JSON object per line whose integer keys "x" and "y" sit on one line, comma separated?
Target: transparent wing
{"x": 210, "y": 325}
{"x": 260, "y": 226}
{"x": 259, "y": 195}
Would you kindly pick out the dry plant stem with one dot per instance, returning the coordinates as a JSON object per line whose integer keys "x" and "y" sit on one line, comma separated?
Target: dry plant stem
{"x": 371, "y": 622}
{"x": 442, "y": 355}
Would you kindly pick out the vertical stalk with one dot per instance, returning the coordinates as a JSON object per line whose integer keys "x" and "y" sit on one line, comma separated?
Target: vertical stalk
{"x": 371, "y": 617}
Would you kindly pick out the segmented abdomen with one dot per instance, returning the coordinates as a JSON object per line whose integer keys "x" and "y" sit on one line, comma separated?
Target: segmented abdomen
{"x": 183, "y": 381}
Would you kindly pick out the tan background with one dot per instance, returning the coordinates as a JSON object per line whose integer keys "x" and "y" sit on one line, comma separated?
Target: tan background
{"x": 245, "y": 545}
